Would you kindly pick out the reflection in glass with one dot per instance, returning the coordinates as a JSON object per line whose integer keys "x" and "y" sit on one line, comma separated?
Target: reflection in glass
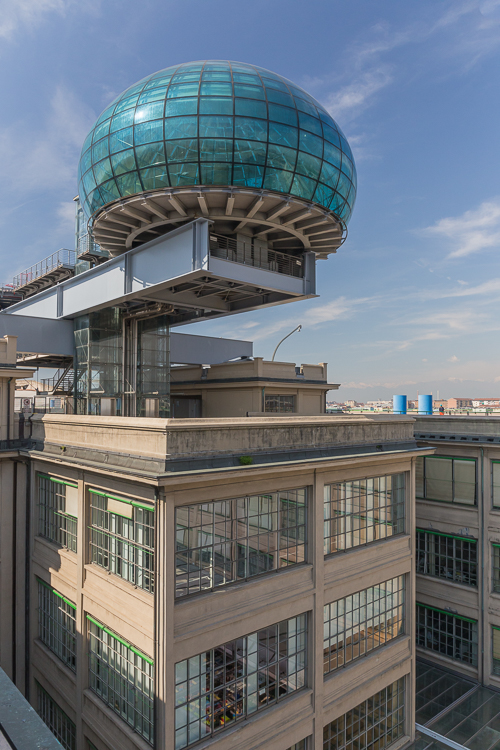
{"x": 446, "y": 556}
{"x": 450, "y": 635}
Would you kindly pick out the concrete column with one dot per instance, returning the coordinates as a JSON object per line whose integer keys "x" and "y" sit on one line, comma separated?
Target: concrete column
{"x": 315, "y": 540}
{"x": 81, "y": 622}
{"x": 6, "y": 566}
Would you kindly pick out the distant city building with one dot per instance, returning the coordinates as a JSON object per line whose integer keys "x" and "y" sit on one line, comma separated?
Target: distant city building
{"x": 459, "y": 403}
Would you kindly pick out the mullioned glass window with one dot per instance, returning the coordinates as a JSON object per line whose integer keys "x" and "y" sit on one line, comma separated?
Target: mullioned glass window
{"x": 226, "y": 541}
{"x": 211, "y": 107}
{"x": 447, "y": 634}
{"x": 363, "y": 511}
{"x": 447, "y": 479}
{"x": 57, "y": 510}
{"x": 57, "y": 623}
{"x": 362, "y": 622}
{"x": 217, "y": 688}
{"x": 57, "y": 721}
{"x": 122, "y": 677}
{"x": 495, "y": 483}
{"x": 451, "y": 558}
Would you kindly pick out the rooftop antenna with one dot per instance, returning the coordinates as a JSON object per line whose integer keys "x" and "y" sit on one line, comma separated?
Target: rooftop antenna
{"x": 283, "y": 339}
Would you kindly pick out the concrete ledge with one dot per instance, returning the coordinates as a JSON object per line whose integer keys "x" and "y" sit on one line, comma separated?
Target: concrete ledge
{"x": 20, "y": 723}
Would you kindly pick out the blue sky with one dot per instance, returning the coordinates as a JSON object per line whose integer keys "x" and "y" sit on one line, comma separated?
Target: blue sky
{"x": 411, "y": 301}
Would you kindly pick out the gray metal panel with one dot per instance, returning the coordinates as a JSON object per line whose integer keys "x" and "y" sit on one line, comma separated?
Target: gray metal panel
{"x": 226, "y": 269}
{"x": 188, "y": 349}
{"x": 39, "y": 335}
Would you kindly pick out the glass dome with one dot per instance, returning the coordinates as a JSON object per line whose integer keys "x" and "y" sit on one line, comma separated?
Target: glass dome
{"x": 217, "y": 123}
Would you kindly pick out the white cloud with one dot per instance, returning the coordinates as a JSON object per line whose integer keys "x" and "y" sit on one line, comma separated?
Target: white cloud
{"x": 358, "y": 95}
{"x": 26, "y": 13}
{"x": 453, "y": 358}
{"x": 66, "y": 217}
{"x": 473, "y": 231}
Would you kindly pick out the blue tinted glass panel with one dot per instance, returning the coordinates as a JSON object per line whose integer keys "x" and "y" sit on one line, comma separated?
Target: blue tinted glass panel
{"x": 276, "y": 179}
{"x": 281, "y": 157}
{"x": 105, "y": 115}
{"x": 180, "y": 127}
{"x": 122, "y": 139}
{"x": 123, "y": 120}
{"x": 85, "y": 161}
{"x": 146, "y": 132}
{"x": 135, "y": 89}
{"x": 250, "y": 152}
{"x": 214, "y": 106}
{"x": 126, "y": 104}
{"x": 250, "y": 92}
{"x": 331, "y": 135}
{"x": 153, "y": 95}
{"x": 216, "y": 149}
{"x": 87, "y": 142}
{"x": 347, "y": 166}
{"x": 100, "y": 150}
{"x": 275, "y": 83}
{"x": 283, "y": 114}
{"x": 149, "y": 112}
{"x": 250, "y": 108}
{"x": 246, "y": 174}
{"x": 332, "y": 154}
{"x": 303, "y": 187}
{"x": 216, "y": 174}
{"x": 181, "y": 107}
{"x": 216, "y": 127}
{"x": 343, "y": 185}
{"x": 186, "y": 150}
{"x": 337, "y": 202}
{"x": 157, "y": 82}
{"x": 216, "y": 88}
{"x": 88, "y": 181}
{"x": 129, "y": 184}
{"x": 245, "y": 127}
{"x": 154, "y": 177}
{"x": 311, "y": 143}
{"x": 329, "y": 174}
{"x": 123, "y": 162}
{"x": 306, "y": 107}
{"x": 215, "y": 75}
{"x": 246, "y": 78}
{"x": 279, "y": 97}
{"x": 102, "y": 171}
{"x": 151, "y": 154}
{"x": 183, "y": 174}
{"x": 284, "y": 135}
{"x": 308, "y": 165}
{"x": 323, "y": 195}
{"x": 310, "y": 123}
{"x": 182, "y": 89}
{"x": 187, "y": 77}
{"x": 109, "y": 191}
{"x": 101, "y": 130}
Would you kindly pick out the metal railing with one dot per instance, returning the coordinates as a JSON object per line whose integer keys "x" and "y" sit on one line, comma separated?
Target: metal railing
{"x": 62, "y": 258}
{"x": 250, "y": 254}
{"x": 87, "y": 246}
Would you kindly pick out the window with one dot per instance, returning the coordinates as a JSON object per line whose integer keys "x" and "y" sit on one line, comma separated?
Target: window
{"x": 447, "y": 634}
{"x": 59, "y": 724}
{"x": 450, "y": 480}
{"x": 232, "y": 540}
{"x": 57, "y": 623}
{"x": 302, "y": 745}
{"x": 219, "y": 687}
{"x": 496, "y": 650}
{"x": 122, "y": 538}
{"x": 57, "y": 510}
{"x": 452, "y": 558}
{"x": 496, "y": 568}
{"x": 361, "y": 622}
{"x": 122, "y": 677}
{"x": 375, "y": 724}
{"x": 363, "y": 511}
{"x": 495, "y": 483}
{"x": 280, "y": 403}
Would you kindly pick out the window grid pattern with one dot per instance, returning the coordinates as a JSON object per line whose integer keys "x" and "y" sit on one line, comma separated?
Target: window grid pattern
{"x": 372, "y": 725}
{"x": 57, "y": 624}
{"x": 57, "y": 721}
{"x": 219, "y": 687}
{"x": 124, "y": 546}
{"x": 232, "y": 540}
{"x": 496, "y": 568}
{"x": 496, "y": 650}
{"x": 123, "y": 678}
{"x": 281, "y": 403}
{"x": 363, "y": 511}
{"x": 217, "y": 123}
{"x": 448, "y": 557}
{"x": 495, "y": 483}
{"x": 446, "y": 479}
{"x": 447, "y": 634}
{"x": 362, "y": 622}
{"x": 302, "y": 745}
{"x": 53, "y": 521}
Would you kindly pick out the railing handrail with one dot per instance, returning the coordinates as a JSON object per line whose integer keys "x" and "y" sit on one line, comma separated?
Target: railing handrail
{"x": 62, "y": 257}
{"x": 257, "y": 255}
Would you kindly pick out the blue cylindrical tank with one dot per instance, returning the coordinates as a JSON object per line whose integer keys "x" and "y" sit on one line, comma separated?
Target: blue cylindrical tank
{"x": 399, "y": 404}
{"x": 425, "y": 404}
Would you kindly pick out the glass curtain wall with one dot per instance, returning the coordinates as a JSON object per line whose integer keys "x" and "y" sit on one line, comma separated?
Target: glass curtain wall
{"x": 153, "y": 367}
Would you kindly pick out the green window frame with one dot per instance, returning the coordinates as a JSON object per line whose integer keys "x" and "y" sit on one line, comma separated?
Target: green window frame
{"x": 495, "y": 484}
{"x": 495, "y": 579}
{"x": 445, "y": 556}
{"x": 229, "y": 683}
{"x": 447, "y": 479}
{"x": 447, "y": 634}
{"x": 122, "y": 534}
{"x": 56, "y": 719}
{"x": 57, "y": 623}
{"x": 363, "y": 511}
{"x": 54, "y": 522}
{"x": 279, "y": 403}
{"x": 375, "y": 723}
{"x": 122, "y": 677}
